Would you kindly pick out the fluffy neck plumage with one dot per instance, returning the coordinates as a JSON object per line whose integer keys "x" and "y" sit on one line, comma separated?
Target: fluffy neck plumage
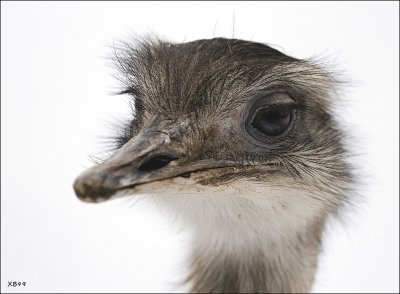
{"x": 255, "y": 264}
{"x": 250, "y": 237}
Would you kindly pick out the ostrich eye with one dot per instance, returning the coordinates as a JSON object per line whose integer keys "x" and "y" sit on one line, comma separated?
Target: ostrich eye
{"x": 272, "y": 121}
{"x": 268, "y": 119}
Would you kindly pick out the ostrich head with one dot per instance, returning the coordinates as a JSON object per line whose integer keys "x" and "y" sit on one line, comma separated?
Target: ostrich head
{"x": 237, "y": 140}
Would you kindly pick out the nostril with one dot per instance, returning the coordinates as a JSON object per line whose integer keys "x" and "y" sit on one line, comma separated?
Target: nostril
{"x": 156, "y": 162}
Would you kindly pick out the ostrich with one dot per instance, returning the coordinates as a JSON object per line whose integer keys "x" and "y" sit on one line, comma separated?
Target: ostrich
{"x": 237, "y": 140}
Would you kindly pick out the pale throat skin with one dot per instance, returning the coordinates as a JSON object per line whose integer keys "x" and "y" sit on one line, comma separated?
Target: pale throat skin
{"x": 237, "y": 141}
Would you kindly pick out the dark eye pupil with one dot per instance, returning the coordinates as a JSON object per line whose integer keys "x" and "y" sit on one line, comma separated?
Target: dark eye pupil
{"x": 272, "y": 121}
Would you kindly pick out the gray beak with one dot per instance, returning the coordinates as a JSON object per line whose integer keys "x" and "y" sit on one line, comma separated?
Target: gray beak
{"x": 151, "y": 155}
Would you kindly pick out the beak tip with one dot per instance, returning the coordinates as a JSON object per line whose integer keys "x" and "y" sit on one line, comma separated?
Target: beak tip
{"x": 79, "y": 188}
{"x": 88, "y": 193}
{"x": 81, "y": 192}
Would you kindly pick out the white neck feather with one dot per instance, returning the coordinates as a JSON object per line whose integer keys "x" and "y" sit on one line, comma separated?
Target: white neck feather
{"x": 246, "y": 221}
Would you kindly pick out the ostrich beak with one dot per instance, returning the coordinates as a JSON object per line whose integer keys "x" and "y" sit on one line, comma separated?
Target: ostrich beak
{"x": 150, "y": 156}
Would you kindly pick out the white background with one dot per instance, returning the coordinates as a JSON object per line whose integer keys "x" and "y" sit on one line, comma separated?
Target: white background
{"x": 56, "y": 106}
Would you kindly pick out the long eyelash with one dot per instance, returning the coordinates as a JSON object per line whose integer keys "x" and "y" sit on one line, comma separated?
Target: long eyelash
{"x": 290, "y": 106}
{"x": 130, "y": 90}
{"x": 126, "y": 91}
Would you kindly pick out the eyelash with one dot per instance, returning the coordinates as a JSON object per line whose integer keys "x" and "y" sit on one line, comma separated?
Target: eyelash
{"x": 280, "y": 106}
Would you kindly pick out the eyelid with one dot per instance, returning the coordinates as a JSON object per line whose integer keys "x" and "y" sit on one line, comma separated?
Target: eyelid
{"x": 290, "y": 106}
{"x": 276, "y": 99}
{"x": 279, "y": 98}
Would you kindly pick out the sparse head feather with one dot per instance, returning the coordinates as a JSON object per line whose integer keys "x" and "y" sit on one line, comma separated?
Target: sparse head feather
{"x": 211, "y": 81}
{"x": 206, "y": 75}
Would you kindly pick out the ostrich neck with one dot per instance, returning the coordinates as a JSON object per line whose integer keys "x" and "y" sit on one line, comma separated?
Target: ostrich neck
{"x": 247, "y": 240}
{"x": 253, "y": 263}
